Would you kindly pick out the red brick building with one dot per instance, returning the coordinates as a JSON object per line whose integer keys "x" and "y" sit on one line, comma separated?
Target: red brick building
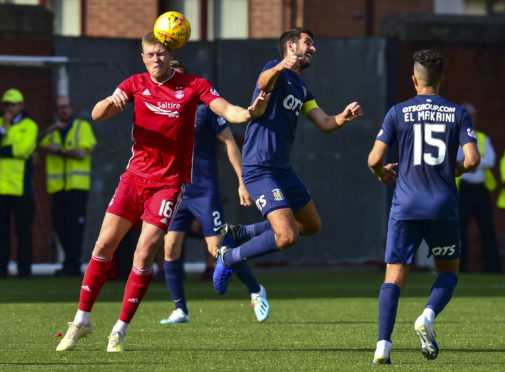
{"x": 266, "y": 18}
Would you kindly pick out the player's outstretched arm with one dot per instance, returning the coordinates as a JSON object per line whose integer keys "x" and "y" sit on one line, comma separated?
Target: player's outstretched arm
{"x": 386, "y": 174}
{"x": 330, "y": 124}
{"x": 238, "y": 115}
{"x": 110, "y": 106}
{"x": 226, "y": 136}
{"x": 472, "y": 159}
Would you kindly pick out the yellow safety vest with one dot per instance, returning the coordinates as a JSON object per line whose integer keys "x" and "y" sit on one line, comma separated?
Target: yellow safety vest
{"x": 23, "y": 139}
{"x": 66, "y": 173}
{"x": 489, "y": 179}
{"x": 501, "y": 198}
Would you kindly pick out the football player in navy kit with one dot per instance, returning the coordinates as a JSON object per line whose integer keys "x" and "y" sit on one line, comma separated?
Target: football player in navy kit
{"x": 428, "y": 130}
{"x": 202, "y": 201}
{"x": 266, "y": 170}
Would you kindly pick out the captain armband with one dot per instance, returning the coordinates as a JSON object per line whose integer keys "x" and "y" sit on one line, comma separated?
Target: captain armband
{"x": 308, "y": 106}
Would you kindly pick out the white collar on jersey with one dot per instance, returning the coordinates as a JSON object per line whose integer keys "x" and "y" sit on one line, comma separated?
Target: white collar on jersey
{"x": 164, "y": 81}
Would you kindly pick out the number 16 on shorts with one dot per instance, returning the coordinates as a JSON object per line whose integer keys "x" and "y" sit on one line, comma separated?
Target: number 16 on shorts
{"x": 166, "y": 208}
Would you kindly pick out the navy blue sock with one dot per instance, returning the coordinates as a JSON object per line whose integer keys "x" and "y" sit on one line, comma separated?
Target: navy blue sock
{"x": 174, "y": 276}
{"x": 247, "y": 232}
{"x": 245, "y": 275}
{"x": 258, "y": 246}
{"x": 441, "y": 291}
{"x": 388, "y": 304}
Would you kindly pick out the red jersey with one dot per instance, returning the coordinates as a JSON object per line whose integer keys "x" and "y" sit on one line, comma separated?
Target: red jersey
{"x": 163, "y": 124}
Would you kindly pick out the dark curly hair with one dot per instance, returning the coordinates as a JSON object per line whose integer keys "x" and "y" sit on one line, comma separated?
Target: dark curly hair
{"x": 429, "y": 65}
{"x": 293, "y": 35}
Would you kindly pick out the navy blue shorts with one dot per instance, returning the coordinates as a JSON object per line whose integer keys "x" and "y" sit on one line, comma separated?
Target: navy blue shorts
{"x": 273, "y": 189}
{"x": 207, "y": 210}
{"x": 404, "y": 237}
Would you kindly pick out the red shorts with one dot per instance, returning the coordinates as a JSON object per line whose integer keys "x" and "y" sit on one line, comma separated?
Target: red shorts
{"x": 138, "y": 198}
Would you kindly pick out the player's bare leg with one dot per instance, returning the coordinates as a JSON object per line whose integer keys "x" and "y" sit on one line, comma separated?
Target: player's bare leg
{"x": 285, "y": 227}
{"x": 308, "y": 219}
{"x": 285, "y": 231}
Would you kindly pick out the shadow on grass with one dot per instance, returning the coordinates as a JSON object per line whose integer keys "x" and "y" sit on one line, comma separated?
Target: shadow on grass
{"x": 305, "y": 285}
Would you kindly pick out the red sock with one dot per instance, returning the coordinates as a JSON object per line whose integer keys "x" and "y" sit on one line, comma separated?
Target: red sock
{"x": 93, "y": 281}
{"x": 136, "y": 288}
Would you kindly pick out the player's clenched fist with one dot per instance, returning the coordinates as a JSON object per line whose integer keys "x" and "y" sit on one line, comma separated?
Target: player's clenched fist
{"x": 119, "y": 99}
{"x": 289, "y": 62}
{"x": 353, "y": 111}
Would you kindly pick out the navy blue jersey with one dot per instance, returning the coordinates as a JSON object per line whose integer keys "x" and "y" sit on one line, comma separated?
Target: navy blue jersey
{"x": 205, "y": 175}
{"x": 269, "y": 138}
{"x": 428, "y": 130}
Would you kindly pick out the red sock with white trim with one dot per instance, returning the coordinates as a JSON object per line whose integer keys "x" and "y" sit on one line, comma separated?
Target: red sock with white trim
{"x": 93, "y": 281}
{"x": 135, "y": 289}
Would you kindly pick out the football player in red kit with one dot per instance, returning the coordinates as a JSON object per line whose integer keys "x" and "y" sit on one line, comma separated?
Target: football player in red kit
{"x": 152, "y": 186}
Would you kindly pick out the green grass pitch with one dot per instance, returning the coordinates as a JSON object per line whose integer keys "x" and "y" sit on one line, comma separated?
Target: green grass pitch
{"x": 319, "y": 322}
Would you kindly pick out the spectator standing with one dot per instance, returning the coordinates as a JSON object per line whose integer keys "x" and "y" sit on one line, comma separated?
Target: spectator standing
{"x": 18, "y": 140}
{"x": 68, "y": 144}
{"x": 475, "y": 201}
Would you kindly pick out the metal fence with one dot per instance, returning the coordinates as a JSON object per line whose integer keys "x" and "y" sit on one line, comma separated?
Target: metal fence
{"x": 351, "y": 202}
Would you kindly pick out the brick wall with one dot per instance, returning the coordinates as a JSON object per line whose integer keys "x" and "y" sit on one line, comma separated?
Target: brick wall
{"x": 266, "y": 18}
{"x": 326, "y": 18}
{"x": 335, "y": 18}
{"x": 120, "y": 18}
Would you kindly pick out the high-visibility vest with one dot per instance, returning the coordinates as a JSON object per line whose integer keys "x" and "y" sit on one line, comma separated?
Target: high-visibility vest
{"x": 22, "y": 136}
{"x": 489, "y": 179}
{"x": 66, "y": 173}
{"x": 501, "y": 198}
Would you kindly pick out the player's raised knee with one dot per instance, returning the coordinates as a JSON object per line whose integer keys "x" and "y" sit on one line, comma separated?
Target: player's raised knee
{"x": 286, "y": 239}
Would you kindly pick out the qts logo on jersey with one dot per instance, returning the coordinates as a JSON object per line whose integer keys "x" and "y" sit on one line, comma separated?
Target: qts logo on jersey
{"x": 293, "y": 104}
{"x": 261, "y": 202}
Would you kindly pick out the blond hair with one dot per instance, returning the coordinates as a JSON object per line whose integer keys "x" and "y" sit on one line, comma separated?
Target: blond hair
{"x": 150, "y": 39}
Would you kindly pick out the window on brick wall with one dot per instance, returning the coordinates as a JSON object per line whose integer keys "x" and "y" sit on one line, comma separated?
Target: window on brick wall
{"x": 226, "y": 19}
{"x": 192, "y": 12}
{"x": 67, "y": 16}
{"x": 234, "y": 19}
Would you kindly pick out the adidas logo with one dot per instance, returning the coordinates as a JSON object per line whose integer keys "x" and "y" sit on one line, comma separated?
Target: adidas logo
{"x": 146, "y": 92}
{"x": 133, "y": 300}
{"x": 86, "y": 288}
{"x": 164, "y": 221}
